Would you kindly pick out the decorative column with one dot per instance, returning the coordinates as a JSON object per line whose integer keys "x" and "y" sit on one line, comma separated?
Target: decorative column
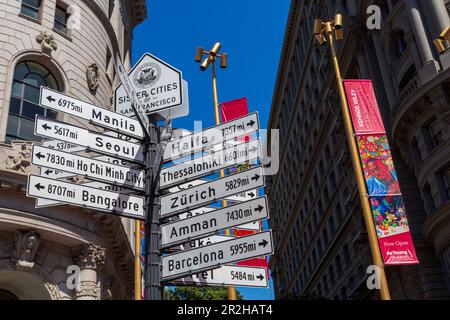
{"x": 90, "y": 258}
{"x": 430, "y": 66}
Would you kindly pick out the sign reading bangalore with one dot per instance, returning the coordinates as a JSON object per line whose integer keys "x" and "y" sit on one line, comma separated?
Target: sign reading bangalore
{"x": 211, "y": 222}
{"x": 130, "y": 206}
{"x": 97, "y": 142}
{"x": 208, "y": 164}
{"x": 209, "y": 257}
{"x": 212, "y": 191}
{"x": 100, "y": 116}
{"x": 200, "y": 140}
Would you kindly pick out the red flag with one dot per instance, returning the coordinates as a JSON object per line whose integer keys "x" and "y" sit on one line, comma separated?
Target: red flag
{"x": 235, "y": 109}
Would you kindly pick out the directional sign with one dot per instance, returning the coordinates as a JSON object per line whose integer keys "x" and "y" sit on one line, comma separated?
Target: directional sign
{"x": 129, "y": 206}
{"x": 193, "y": 261}
{"x": 157, "y": 84}
{"x": 195, "y": 197}
{"x": 97, "y": 142}
{"x": 227, "y": 276}
{"x": 201, "y": 225}
{"x": 208, "y": 164}
{"x": 97, "y": 115}
{"x": 62, "y": 146}
{"x": 94, "y": 169}
{"x": 209, "y": 137}
{"x": 41, "y": 202}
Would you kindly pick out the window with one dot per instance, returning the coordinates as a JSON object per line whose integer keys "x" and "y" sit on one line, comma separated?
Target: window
{"x": 444, "y": 184}
{"x": 433, "y": 134}
{"x": 428, "y": 198}
{"x": 24, "y": 106}
{"x": 30, "y": 8}
{"x": 61, "y": 17}
{"x": 399, "y": 44}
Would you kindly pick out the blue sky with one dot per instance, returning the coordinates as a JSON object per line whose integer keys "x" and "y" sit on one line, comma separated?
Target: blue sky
{"x": 251, "y": 32}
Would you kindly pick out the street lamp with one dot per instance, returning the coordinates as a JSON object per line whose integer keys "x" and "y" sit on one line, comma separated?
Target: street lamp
{"x": 323, "y": 31}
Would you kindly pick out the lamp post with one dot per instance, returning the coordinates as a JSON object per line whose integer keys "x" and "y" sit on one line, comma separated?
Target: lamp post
{"x": 211, "y": 58}
{"x": 327, "y": 32}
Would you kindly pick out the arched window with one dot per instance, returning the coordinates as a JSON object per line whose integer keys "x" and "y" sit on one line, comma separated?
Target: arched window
{"x": 24, "y": 106}
{"x": 398, "y": 44}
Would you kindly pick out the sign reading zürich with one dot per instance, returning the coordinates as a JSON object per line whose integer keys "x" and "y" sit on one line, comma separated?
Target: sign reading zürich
{"x": 105, "y": 118}
{"x": 195, "y": 197}
{"x": 209, "y": 257}
{"x": 97, "y": 142}
{"x": 158, "y": 86}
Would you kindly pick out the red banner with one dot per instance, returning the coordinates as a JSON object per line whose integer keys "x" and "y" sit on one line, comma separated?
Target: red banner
{"x": 364, "y": 107}
{"x": 386, "y": 202}
{"x": 235, "y": 109}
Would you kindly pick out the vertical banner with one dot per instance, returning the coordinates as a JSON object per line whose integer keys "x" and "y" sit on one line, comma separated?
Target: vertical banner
{"x": 386, "y": 200}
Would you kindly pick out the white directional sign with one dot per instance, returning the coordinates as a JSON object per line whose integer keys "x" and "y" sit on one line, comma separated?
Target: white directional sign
{"x": 193, "y": 261}
{"x": 203, "y": 194}
{"x": 63, "y": 146}
{"x": 41, "y": 202}
{"x": 97, "y": 115}
{"x": 208, "y": 164}
{"x": 126, "y": 205}
{"x": 157, "y": 84}
{"x": 209, "y": 137}
{"x": 227, "y": 276}
{"x": 97, "y": 142}
{"x": 211, "y": 222}
{"x": 94, "y": 169}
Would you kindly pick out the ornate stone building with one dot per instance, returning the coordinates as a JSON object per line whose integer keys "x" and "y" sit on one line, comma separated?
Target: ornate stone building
{"x": 320, "y": 238}
{"x": 68, "y": 46}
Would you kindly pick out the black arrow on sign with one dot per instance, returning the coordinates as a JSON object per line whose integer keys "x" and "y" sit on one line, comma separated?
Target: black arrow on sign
{"x": 40, "y": 155}
{"x": 251, "y": 123}
{"x": 46, "y": 126}
{"x": 254, "y": 149}
{"x": 259, "y": 208}
{"x": 50, "y": 99}
{"x": 39, "y": 187}
{"x": 256, "y": 177}
{"x": 264, "y": 243}
{"x": 260, "y": 277}
{"x": 251, "y": 194}
{"x": 48, "y": 171}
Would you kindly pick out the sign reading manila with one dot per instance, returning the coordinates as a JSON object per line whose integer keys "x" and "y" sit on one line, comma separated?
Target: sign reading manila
{"x": 209, "y": 257}
{"x": 158, "y": 86}
{"x": 203, "y": 194}
{"x": 97, "y": 142}
{"x": 92, "y": 168}
{"x": 218, "y": 134}
{"x": 228, "y": 276}
{"x": 211, "y": 222}
{"x": 208, "y": 164}
{"x": 100, "y": 116}
{"x": 88, "y": 197}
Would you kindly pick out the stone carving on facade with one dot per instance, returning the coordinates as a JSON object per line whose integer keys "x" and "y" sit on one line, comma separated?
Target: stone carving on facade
{"x": 90, "y": 256}
{"x": 19, "y": 160}
{"x": 88, "y": 289}
{"x": 47, "y": 42}
{"x": 27, "y": 244}
{"x": 77, "y": 179}
{"x": 92, "y": 76}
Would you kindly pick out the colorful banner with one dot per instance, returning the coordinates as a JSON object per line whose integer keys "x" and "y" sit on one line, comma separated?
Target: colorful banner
{"x": 234, "y": 109}
{"x": 386, "y": 202}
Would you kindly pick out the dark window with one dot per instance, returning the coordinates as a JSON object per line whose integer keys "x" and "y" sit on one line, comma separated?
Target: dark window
{"x": 433, "y": 135}
{"x": 61, "y": 17}
{"x": 24, "y": 105}
{"x": 410, "y": 74}
{"x": 428, "y": 198}
{"x": 31, "y": 8}
{"x": 399, "y": 44}
{"x": 444, "y": 184}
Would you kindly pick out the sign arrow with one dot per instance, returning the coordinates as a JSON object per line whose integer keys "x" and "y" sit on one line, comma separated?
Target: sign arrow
{"x": 39, "y": 186}
{"x": 51, "y": 99}
{"x": 263, "y": 243}
{"x": 40, "y": 155}
{"x": 251, "y": 194}
{"x": 260, "y": 277}
{"x": 48, "y": 171}
{"x": 251, "y": 123}
{"x": 259, "y": 208}
{"x": 46, "y": 126}
{"x": 256, "y": 177}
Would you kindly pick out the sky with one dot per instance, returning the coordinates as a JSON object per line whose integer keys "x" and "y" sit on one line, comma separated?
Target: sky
{"x": 251, "y": 32}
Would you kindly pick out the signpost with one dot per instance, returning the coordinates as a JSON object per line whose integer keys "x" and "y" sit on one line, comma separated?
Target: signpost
{"x": 97, "y": 142}
{"x": 211, "y": 222}
{"x": 209, "y": 257}
{"x": 212, "y": 191}
{"x": 196, "y": 142}
{"x": 87, "y": 197}
{"x": 210, "y": 163}
{"x": 100, "y": 116}
{"x": 227, "y": 276}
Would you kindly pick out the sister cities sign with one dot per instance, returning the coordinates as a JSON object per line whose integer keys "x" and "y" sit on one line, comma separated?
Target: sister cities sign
{"x": 388, "y": 210}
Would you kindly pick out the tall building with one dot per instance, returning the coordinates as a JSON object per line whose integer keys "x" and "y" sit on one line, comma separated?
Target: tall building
{"x": 68, "y": 46}
{"x": 321, "y": 244}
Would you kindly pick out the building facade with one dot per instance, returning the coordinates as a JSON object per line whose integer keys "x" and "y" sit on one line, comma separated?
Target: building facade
{"x": 321, "y": 244}
{"x": 68, "y": 46}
